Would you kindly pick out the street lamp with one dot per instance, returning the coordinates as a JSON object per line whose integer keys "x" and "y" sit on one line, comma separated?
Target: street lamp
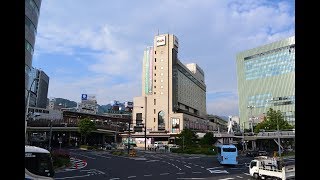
{"x": 251, "y": 107}
{"x": 279, "y": 146}
{"x": 27, "y": 105}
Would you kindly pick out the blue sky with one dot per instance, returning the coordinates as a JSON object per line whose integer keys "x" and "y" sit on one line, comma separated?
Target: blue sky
{"x": 96, "y": 47}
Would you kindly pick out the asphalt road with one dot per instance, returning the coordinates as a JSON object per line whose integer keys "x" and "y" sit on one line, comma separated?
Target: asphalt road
{"x": 96, "y": 165}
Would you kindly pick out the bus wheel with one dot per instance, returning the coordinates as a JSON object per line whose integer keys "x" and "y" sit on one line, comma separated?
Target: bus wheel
{"x": 255, "y": 175}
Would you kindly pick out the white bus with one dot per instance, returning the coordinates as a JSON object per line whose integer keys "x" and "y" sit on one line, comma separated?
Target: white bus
{"x": 38, "y": 164}
{"x": 227, "y": 154}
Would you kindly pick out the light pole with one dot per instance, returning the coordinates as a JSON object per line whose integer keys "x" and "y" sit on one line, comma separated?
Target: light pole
{"x": 251, "y": 107}
{"x": 27, "y": 106}
{"x": 129, "y": 138}
{"x": 279, "y": 146}
{"x": 50, "y": 135}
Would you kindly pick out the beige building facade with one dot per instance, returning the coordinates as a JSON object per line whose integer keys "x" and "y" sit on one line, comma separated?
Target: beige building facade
{"x": 173, "y": 94}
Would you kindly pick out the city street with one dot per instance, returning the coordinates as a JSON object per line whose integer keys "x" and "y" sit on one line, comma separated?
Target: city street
{"x": 96, "y": 165}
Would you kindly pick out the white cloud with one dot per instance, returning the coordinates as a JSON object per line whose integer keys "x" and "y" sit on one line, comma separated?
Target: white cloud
{"x": 114, "y": 36}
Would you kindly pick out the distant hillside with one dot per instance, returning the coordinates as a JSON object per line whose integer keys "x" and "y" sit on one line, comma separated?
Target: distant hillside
{"x": 65, "y": 102}
{"x": 103, "y": 108}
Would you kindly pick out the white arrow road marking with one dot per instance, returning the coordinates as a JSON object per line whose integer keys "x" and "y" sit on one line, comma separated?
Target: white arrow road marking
{"x": 187, "y": 166}
{"x": 219, "y": 171}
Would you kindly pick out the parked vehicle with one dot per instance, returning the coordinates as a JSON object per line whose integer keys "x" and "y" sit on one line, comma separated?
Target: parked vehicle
{"x": 227, "y": 154}
{"x": 252, "y": 153}
{"x": 266, "y": 167}
{"x": 262, "y": 153}
{"x": 158, "y": 144}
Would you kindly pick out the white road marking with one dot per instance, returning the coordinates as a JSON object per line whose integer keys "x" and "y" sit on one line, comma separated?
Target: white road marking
{"x": 114, "y": 178}
{"x": 132, "y": 177}
{"x": 202, "y": 167}
{"x": 191, "y": 178}
{"x": 164, "y": 174}
{"x": 239, "y": 177}
{"x": 73, "y": 177}
{"x": 187, "y": 166}
{"x": 219, "y": 171}
{"x": 247, "y": 174}
{"x": 181, "y": 173}
{"x": 196, "y": 172}
{"x": 178, "y": 160}
{"x": 148, "y": 175}
{"x": 189, "y": 163}
{"x": 226, "y": 178}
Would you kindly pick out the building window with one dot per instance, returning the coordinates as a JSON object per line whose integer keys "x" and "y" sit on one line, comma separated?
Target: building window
{"x": 161, "y": 68}
{"x": 154, "y": 92}
{"x": 155, "y": 74}
{"x": 161, "y": 92}
{"x": 155, "y": 59}
{"x": 154, "y": 101}
{"x": 30, "y": 25}
{"x": 155, "y": 67}
{"x": 154, "y": 111}
{"x": 155, "y": 52}
{"x": 161, "y": 60}
{"x": 161, "y": 74}
{"x": 161, "y": 80}
{"x": 28, "y": 47}
{"x": 155, "y": 80}
{"x": 155, "y": 86}
{"x": 161, "y": 87}
{"x": 154, "y": 120}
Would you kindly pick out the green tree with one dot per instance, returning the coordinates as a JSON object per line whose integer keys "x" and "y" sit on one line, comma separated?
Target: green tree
{"x": 271, "y": 121}
{"x": 187, "y": 138}
{"x": 85, "y": 127}
{"x": 208, "y": 139}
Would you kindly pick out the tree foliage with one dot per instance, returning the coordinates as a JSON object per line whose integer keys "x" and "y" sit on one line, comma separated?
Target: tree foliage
{"x": 85, "y": 127}
{"x": 208, "y": 139}
{"x": 271, "y": 121}
{"x": 187, "y": 138}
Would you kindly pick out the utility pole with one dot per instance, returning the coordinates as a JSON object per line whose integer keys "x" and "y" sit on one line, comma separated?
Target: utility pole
{"x": 279, "y": 146}
{"x": 50, "y": 135}
{"x": 129, "y": 138}
{"x": 251, "y": 107}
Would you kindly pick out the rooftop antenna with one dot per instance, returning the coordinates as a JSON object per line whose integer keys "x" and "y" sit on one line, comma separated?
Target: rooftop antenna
{"x": 158, "y": 31}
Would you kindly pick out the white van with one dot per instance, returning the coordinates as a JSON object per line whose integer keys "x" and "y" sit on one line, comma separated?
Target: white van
{"x": 158, "y": 144}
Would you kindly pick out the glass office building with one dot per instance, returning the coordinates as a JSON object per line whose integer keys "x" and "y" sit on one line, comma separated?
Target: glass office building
{"x": 266, "y": 79}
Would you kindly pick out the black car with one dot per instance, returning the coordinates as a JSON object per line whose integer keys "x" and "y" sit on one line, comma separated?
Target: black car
{"x": 262, "y": 153}
{"x": 252, "y": 153}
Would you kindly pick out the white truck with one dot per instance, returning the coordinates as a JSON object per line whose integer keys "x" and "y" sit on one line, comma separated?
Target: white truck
{"x": 266, "y": 167}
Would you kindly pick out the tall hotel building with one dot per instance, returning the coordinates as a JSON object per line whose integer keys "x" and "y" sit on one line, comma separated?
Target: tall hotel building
{"x": 32, "y": 10}
{"x": 173, "y": 94}
{"x": 266, "y": 79}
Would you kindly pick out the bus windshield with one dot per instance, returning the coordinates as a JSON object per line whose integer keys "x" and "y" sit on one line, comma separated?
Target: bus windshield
{"x": 229, "y": 149}
{"x": 39, "y": 164}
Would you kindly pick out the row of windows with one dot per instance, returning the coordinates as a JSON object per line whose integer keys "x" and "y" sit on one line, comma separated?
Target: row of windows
{"x": 270, "y": 65}
{"x": 30, "y": 25}
{"x": 34, "y": 6}
{"x": 28, "y": 47}
{"x": 267, "y": 101}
